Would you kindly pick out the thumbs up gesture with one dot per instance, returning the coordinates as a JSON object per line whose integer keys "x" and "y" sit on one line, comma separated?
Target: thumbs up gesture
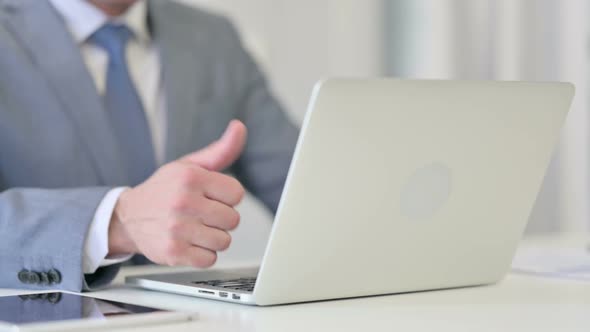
{"x": 181, "y": 215}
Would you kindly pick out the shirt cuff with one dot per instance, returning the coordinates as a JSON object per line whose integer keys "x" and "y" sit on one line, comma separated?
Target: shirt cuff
{"x": 96, "y": 247}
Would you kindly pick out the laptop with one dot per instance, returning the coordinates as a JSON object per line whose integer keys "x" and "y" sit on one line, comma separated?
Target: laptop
{"x": 398, "y": 186}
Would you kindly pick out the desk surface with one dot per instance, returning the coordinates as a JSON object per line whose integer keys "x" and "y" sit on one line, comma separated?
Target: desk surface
{"x": 518, "y": 303}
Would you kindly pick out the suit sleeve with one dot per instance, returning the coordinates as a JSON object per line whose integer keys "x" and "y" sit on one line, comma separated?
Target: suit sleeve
{"x": 272, "y": 137}
{"x": 43, "y": 232}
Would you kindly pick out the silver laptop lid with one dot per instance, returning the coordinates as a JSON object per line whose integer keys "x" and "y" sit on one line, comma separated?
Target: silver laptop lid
{"x": 402, "y": 186}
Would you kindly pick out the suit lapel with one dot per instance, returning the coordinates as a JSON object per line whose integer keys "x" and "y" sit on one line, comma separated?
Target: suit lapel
{"x": 184, "y": 78}
{"x": 43, "y": 34}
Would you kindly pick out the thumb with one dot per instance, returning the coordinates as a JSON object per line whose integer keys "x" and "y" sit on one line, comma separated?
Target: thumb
{"x": 223, "y": 152}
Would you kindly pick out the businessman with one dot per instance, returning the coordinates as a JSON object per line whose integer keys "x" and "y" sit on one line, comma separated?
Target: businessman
{"x": 119, "y": 122}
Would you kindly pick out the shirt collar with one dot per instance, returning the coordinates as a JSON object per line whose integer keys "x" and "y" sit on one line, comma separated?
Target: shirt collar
{"x": 83, "y": 19}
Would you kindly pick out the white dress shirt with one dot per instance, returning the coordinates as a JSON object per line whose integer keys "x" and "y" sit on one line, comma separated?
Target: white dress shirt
{"x": 143, "y": 60}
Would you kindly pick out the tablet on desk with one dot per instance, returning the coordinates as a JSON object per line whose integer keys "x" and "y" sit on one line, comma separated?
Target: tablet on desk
{"x": 64, "y": 312}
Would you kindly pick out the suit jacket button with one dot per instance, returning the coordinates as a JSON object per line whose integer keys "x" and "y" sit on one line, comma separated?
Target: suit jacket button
{"x": 44, "y": 278}
{"x": 54, "y": 297}
{"x": 34, "y": 277}
{"x": 23, "y": 276}
{"x": 54, "y": 276}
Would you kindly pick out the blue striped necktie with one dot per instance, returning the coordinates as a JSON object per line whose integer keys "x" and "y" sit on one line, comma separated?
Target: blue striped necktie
{"x": 123, "y": 105}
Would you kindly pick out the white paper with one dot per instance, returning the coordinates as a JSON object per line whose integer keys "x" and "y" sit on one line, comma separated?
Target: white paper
{"x": 568, "y": 263}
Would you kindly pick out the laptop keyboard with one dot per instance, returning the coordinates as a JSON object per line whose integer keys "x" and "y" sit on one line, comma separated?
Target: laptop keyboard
{"x": 241, "y": 284}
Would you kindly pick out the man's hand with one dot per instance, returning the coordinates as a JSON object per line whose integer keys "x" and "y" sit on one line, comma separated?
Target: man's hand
{"x": 181, "y": 215}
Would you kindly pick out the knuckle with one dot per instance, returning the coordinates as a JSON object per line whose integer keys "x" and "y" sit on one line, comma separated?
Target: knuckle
{"x": 176, "y": 227}
{"x": 172, "y": 252}
{"x": 209, "y": 259}
{"x": 224, "y": 241}
{"x": 234, "y": 220}
{"x": 188, "y": 176}
{"x": 206, "y": 259}
{"x": 240, "y": 194}
{"x": 184, "y": 174}
{"x": 237, "y": 192}
{"x": 181, "y": 203}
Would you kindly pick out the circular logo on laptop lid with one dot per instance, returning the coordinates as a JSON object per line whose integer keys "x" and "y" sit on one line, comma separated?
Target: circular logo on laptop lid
{"x": 426, "y": 191}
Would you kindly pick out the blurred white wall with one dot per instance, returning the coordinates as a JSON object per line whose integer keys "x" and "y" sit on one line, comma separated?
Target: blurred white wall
{"x": 508, "y": 40}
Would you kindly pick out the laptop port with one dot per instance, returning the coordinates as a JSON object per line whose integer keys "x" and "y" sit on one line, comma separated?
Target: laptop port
{"x": 206, "y": 292}
{"x": 223, "y": 294}
{"x": 235, "y": 296}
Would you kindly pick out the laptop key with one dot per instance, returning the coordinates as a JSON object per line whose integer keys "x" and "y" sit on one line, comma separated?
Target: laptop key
{"x": 243, "y": 284}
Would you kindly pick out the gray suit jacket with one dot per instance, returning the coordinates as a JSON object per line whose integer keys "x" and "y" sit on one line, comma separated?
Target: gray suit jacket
{"x": 58, "y": 155}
